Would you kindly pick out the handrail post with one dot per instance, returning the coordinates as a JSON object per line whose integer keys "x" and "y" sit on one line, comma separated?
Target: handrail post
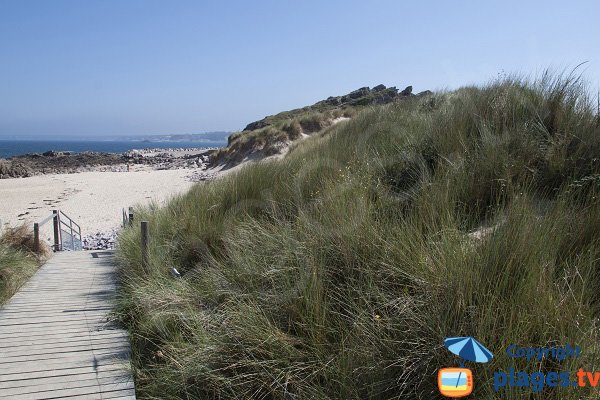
{"x": 144, "y": 236}
{"x": 130, "y": 216}
{"x": 72, "y": 232}
{"x": 36, "y": 237}
{"x": 56, "y": 222}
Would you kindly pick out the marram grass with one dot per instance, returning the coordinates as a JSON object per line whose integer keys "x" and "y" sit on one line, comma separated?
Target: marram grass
{"x": 18, "y": 262}
{"x": 338, "y": 271}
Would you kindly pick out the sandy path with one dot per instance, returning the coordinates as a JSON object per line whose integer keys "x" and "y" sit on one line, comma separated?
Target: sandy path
{"x": 92, "y": 199}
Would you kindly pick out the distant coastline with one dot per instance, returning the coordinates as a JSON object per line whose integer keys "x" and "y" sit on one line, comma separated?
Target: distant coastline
{"x": 18, "y": 147}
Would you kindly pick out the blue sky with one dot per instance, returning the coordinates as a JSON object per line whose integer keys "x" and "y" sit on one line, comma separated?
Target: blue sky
{"x": 94, "y": 68}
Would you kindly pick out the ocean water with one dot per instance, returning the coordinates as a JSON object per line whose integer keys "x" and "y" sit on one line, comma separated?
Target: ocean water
{"x": 9, "y": 148}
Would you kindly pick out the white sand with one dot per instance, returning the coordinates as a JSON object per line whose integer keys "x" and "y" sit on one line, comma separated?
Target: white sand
{"x": 93, "y": 199}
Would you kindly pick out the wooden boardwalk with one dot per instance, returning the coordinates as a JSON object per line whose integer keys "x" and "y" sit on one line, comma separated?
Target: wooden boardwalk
{"x": 56, "y": 341}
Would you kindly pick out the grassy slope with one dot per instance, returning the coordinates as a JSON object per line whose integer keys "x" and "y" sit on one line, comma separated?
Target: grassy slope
{"x": 269, "y": 135}
{"x": 282, "y": 130}
{"x": 338, "y": 271}
{"x": 17, "y": 261}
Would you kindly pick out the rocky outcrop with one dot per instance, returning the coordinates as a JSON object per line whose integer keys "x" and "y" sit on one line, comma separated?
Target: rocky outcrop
{"x": 362, "y": 92}
{"x": 169, "y": 159}
{"x": 55, "y": 162}
{"x": 58, "y": 162}
{"x": 363, "y": 96}
{"x": 254, "y": 125}
{"x": 10, "y": 169}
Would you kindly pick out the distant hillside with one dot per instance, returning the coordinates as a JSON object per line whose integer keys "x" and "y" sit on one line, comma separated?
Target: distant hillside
{"x": 217, "y": 138}
{"x": 272, "y": 134}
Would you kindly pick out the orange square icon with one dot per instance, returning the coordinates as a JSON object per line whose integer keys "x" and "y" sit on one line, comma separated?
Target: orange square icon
{"x": 455, "y": 382}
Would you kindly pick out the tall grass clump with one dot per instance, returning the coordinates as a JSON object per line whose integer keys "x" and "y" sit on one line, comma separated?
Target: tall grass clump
{"x": 337, "y": 271}
{"x": 18, "y": 260}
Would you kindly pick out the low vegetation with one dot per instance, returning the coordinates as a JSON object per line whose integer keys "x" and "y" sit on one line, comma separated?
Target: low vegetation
{"x": 273, "y": 138}
{"x": 272, "y": 134}
{"x": 338, "y": 271}
{"x": 18, "y": 260}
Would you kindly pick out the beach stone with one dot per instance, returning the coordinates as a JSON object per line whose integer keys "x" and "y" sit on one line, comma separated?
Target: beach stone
{"x": 100, "y": 240}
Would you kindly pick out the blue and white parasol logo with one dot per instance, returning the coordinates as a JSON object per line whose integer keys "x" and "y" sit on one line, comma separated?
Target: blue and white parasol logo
{"x": 467, "y": 348}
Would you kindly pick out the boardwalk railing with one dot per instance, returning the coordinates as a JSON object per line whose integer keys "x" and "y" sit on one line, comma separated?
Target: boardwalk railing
{"x": 144, "y": 234}
{"x": 67, "y": 233}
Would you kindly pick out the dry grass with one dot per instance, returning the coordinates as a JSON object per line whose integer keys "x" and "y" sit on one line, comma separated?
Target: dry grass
{"x": 18, "y": 260}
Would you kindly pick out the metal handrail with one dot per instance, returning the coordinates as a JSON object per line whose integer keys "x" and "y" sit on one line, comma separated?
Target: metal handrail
{"x": 57, "y": 225}
{"x": 70, "y": 219}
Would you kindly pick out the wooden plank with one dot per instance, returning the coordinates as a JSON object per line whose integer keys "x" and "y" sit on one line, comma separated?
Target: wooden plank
{"x": 94, "y": 392}
{"x": 70, "y": 353}
{"x": 63, "y": 382}
{"x": 52, "y": 361}
{"x": 50, "y": 365}
{"x": 27, "y": 377}
{"x": 113, "y": 395}
{"x": 50, "y": 348}
{"x": 57, "y": 339}
{"x": 70, "y": 331}
{"x": 54, "y": 318}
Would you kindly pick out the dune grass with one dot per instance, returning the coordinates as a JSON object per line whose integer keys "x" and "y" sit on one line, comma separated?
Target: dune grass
{"x": 338, "y": 271}
{"x": 271, "y": 139}
{"x": 18, "y": 261}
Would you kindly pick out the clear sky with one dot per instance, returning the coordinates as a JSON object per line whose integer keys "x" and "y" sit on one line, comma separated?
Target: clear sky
{"x": 124, "y": 67}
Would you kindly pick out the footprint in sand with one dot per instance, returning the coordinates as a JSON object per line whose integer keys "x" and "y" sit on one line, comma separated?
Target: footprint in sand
{"x": 51, "y": 203}
{"x": 67, "y": 193}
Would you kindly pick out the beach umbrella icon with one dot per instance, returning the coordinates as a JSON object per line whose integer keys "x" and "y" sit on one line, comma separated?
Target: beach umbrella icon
{"x": 468, "y": 349}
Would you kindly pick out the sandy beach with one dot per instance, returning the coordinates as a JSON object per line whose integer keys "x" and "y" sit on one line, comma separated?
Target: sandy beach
{"x": 93, "y": 199}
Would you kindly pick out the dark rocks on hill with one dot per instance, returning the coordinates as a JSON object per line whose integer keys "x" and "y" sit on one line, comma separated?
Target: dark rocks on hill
{"x": 363, "y": 96}
{"x": 363, "y": 91}
{"x": 383, "y": 99}
{"x": 256, "y": 125}
{"x": 407, "y": 91}
{"x": 334, "y": 101}
{"x": 424, "y": 93}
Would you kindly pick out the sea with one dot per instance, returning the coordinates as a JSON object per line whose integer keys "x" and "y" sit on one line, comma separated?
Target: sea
{"x": 9, "y": 148}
